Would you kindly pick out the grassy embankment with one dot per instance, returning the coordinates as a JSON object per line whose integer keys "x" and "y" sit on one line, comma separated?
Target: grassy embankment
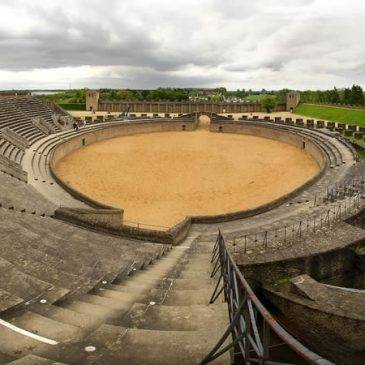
{"x": 336, "y": 114}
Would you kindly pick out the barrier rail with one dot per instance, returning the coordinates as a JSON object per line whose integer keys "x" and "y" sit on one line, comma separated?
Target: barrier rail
{"x": 252, "y": 328}
{"x": 341, "y": 201}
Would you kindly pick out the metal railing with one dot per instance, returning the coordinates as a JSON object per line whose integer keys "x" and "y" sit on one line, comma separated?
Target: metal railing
{"x": 252, "y": 332}
{"x": 294, "y": 231}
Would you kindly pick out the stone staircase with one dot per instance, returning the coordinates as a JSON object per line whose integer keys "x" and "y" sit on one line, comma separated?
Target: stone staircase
{"x": 160, "y": 315}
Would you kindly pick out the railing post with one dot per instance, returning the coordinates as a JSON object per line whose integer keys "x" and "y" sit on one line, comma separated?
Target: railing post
{"x": 266, "y": 340}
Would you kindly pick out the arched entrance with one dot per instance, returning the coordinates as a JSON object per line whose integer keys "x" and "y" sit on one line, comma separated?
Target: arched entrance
{"x": 203, "y": 121}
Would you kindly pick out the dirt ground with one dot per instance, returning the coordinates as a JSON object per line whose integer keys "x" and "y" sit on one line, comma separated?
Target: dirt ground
{"x": 159, "y": 178}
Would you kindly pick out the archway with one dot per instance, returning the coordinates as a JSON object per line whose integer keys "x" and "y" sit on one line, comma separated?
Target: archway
{"x": 204, "y": 121}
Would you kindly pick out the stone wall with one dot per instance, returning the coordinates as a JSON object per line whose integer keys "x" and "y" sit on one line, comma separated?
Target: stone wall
{"x": 319, "y": 265}
{"x": 15, "y": 138}
{"x": 260, "y": 129}
{"x": 178, "y": 232}
{"x": 106, "y": 218}
{"x": 12, "y": 168}
{"x": 292, "y": 100}
{"x": 329, "y": 318}
{"x": 43, "y": 126}
{"x": 182, "y": 107}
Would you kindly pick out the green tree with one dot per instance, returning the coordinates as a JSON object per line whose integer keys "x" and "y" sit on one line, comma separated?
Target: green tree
{"x": 357, "y": 95}
{"x": 347, "y": 96}
{"x": 268, "y": 103}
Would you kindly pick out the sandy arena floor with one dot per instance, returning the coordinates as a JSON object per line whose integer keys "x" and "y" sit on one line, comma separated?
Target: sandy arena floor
{"x": 159, "y": 178}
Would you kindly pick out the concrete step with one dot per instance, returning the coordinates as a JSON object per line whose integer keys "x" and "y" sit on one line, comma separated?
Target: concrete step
{"x": 5, "y": 359}
{"x": 34, "y": 360}
{"x": 9, "y": 301}
{"x": 109, "y": 303}
{"x": 149, "y": 347}
{"x": 184, "y": 297}
{"x": 46, "y": 327}
{"x": 17, "y": 345}
{"x": 200, "y": 283}
{"x": 195, "y": 274}
{"x": 177, "y": 318}
{"x": 65, "y": 315}
{"x": 98, "y": 312}
{"x": 116, "y": 295}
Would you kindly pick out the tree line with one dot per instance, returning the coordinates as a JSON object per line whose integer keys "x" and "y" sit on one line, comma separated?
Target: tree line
{"x": 347, "y": 96}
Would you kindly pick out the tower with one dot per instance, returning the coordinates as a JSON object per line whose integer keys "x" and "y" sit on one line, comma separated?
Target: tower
{"x": 292, "y": 100}
{"x": 92, "y": 100}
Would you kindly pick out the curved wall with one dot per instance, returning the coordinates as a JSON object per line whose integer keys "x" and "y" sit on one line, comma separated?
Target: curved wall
{"x": 180, "y": 230}
{"x": 293, "y": 137}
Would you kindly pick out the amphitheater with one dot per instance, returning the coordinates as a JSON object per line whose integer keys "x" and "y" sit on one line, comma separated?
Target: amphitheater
{"x": 179, "y": 238}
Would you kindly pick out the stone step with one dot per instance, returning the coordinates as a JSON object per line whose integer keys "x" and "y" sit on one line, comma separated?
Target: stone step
{"x": 65, "y": 315}
{"x": 194, "y": 274}
{"x": 118, "y": 295}
{"x": 22, "y": 285}
{"x": 42, "y": 270}
{"x": 5, "y": 359}
{"x": 177, "y": 318}
{"x": 17, "y": 345}
{"x": 149, "y": 347}
{"x": 109, "y": 303}
{"x": 140, "y": 290}
{"x": 98, "y": 312}
{"x": 184, "y": 297}
{"x": 200, "y": 283}
{"x": 46, "y": 327}
{"x": 9, "y": 301}
{"x": 34, "y": 360}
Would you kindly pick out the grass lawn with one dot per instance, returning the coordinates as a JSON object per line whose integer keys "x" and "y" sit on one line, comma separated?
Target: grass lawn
{"x": 342, "y": 115}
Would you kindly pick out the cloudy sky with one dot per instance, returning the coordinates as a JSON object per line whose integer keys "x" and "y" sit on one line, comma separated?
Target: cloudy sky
{"x": 189, "y": 43}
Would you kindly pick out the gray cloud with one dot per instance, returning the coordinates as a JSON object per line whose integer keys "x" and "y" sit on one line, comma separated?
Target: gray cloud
{"x": 135, "y": 43}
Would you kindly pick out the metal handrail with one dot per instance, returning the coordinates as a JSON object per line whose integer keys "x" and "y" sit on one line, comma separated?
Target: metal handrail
{"x": 294, "y": 231}
{"x": 251, "y": 324}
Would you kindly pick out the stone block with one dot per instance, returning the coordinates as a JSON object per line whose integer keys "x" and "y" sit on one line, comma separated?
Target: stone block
{"x": 358, "y": 135}
{"x": 15, "y": 138}
{"x": 352, "y": 127}
{"x": 320, "y": 123}
{"x": 310, "y": 123}
{"x": 299, "y": 122}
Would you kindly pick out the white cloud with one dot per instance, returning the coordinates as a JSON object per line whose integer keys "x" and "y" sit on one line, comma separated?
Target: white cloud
{"x": 149, "y": 43}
